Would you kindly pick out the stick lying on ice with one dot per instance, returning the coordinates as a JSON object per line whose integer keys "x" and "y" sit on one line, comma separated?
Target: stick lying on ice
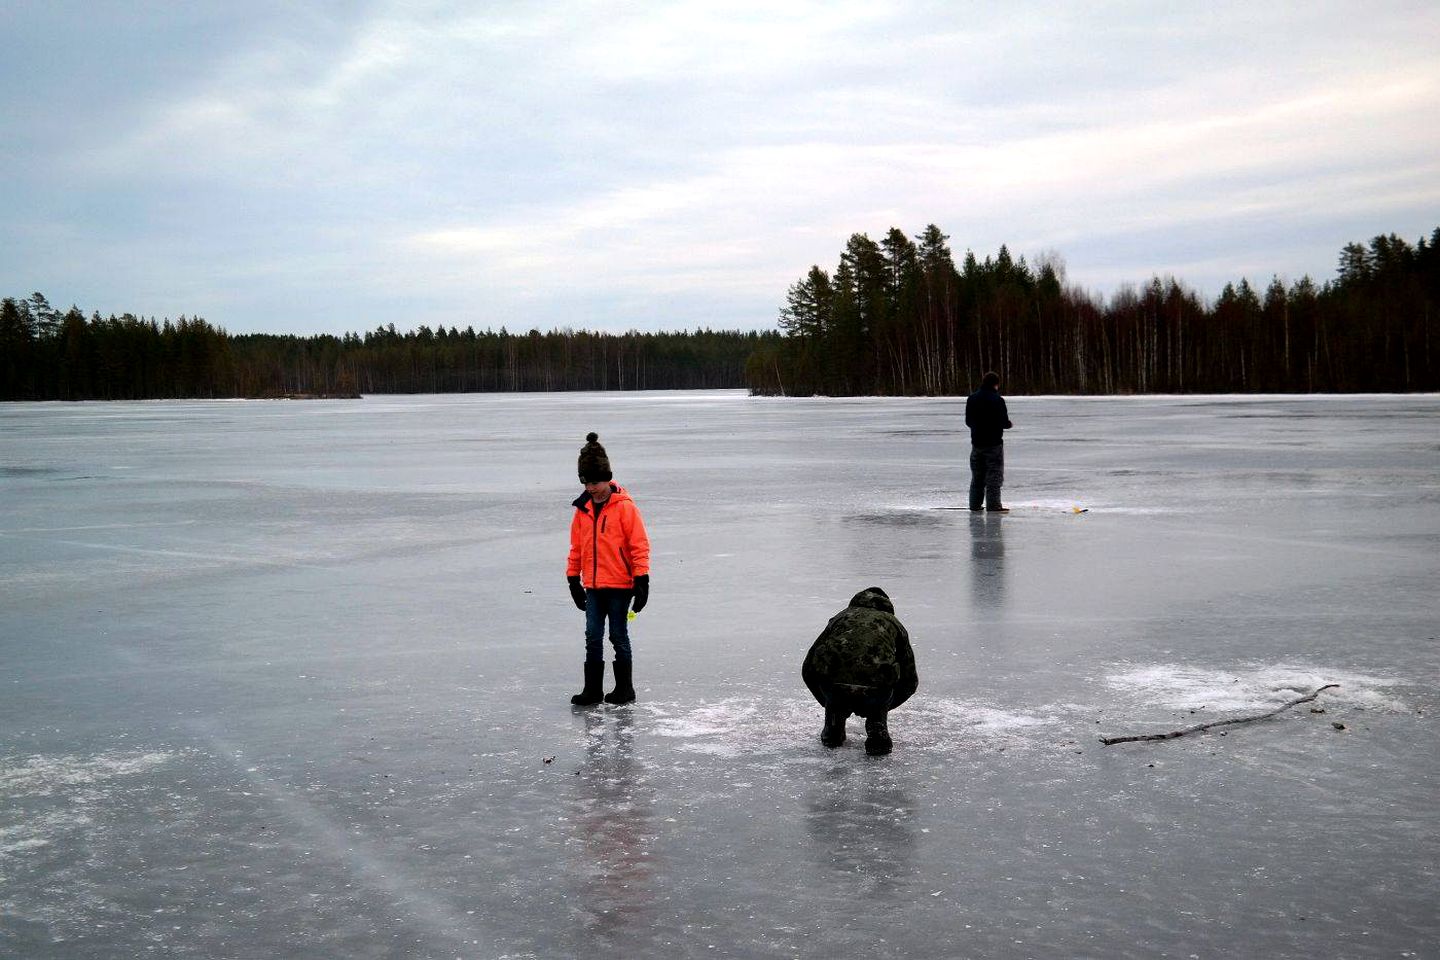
{"x": 1217, "y": 723}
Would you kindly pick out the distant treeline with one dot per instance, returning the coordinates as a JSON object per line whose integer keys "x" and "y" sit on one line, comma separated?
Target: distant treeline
{"x": 49, "y": 355}
{"x": 898, "y": 317}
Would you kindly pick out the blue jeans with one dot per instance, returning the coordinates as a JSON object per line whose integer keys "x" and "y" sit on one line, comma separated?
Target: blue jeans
{"x": 987, "y": 473}
{"x": 601, "y": 605}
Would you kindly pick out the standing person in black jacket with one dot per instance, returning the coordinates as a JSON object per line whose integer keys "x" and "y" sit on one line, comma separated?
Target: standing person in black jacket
{"x": 987, "y": 418}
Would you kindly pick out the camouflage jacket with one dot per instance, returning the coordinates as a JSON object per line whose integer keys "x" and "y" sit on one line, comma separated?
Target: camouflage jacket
{"x": 865, "y": 645}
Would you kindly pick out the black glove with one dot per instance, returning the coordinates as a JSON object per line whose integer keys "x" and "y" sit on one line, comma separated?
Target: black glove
{"x": 642, "y": 591}
{"x": 577, "y": 592}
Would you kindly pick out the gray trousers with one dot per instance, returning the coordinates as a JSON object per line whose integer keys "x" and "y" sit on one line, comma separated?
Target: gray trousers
{"x": 987, "y": 474}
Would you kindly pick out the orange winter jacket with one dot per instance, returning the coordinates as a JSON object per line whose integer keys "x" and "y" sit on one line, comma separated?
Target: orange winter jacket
{"x": 611, "y": 549}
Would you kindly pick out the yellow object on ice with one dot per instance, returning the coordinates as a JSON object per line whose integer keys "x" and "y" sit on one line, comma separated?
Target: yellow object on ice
{"x": 630, "y": 615}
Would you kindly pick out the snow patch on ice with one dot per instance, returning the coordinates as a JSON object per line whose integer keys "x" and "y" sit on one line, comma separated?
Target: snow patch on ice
{"x": 1047, "y": 505}
{"x": 990, "y": 719}
{"x": 1033, "y": 506}
{"x": 715, "y": 719}
{"x": 42, "y": 776}
{"x": 1249, "y": 687}
{"x": 725, "y": 728}
{"x": 77, "y": 784}
{"x": 1134, "y": 511}
{"x": 38, "y": 831}
{"x": 948, "y": 725}
{"x": 751, "y": 726}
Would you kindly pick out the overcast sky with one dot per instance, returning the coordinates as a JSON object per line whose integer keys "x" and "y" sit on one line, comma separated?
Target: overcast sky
{"x": 295, "y": 167}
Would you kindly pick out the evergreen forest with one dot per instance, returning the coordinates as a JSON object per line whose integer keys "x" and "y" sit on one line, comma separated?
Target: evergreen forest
{"x": 897, "y": 317}
{"x": 49, "y": 355}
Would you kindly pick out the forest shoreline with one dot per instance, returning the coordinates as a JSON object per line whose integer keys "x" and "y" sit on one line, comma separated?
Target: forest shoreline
{"x": 894, "y": 318}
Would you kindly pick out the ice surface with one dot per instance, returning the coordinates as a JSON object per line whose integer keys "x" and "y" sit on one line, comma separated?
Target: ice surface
{"x": 291, "y": 679}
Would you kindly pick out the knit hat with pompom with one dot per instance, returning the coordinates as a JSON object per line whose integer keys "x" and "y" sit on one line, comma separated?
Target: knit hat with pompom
{"x": 594, "y": 463}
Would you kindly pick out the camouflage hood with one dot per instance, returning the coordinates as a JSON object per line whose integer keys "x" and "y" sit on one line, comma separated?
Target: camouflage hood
{"x": 873, "y": 598}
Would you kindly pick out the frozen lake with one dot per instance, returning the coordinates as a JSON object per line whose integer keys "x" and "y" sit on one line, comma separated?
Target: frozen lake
{"x": 283, "y": 679}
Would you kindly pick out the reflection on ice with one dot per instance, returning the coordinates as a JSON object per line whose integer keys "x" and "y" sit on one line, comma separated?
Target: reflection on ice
{"x": 987, "y": 560}
{"x": 863, "y": 828}
{"x": 612, "y": 833}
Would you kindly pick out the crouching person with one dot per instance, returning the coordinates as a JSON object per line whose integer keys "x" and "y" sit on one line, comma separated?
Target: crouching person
{"x": 862, "y": 663}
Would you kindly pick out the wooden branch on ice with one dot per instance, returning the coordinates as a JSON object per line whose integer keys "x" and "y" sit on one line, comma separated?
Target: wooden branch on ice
{"x": 1107, "y": 741}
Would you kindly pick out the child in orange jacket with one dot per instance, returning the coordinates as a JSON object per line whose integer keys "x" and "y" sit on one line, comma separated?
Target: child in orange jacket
{"x": 608, "y": 566}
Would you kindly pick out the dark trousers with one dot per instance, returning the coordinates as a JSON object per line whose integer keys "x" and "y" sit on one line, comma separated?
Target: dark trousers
{"x": 604, "y": 605}
{"x": 987, "y": 474}
{"x": 848, "y": 698}
{"x": 872, "y": 703}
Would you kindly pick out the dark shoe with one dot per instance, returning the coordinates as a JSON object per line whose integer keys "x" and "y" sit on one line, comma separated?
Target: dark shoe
{"x": 594, "y": 685}
{"x": 833, "y": 733}
{"x": 877, "y": 736}
{"x": 624, "y": 691}
{"x": 997, "y": 509}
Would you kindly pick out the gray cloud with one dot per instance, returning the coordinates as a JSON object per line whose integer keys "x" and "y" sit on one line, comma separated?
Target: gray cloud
{"x": 678, "y": 164}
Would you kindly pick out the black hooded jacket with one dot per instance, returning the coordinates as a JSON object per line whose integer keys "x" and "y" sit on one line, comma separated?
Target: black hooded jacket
{"x": 986, "y": 416}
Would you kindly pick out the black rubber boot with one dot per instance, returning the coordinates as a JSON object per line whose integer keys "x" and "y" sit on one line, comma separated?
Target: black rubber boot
{"x": 594, "y": 685}
{"x": 833, "y": 733}
{"x": 624, "y": 691}
{"x": 877, "y": 736}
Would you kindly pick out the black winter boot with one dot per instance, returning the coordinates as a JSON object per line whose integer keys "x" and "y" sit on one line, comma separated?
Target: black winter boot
{"x": 594, "y": 685}
{"x": 833, "y": 733}
{"x": 877, "y": 736}
{"x": 624, "y": 691}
